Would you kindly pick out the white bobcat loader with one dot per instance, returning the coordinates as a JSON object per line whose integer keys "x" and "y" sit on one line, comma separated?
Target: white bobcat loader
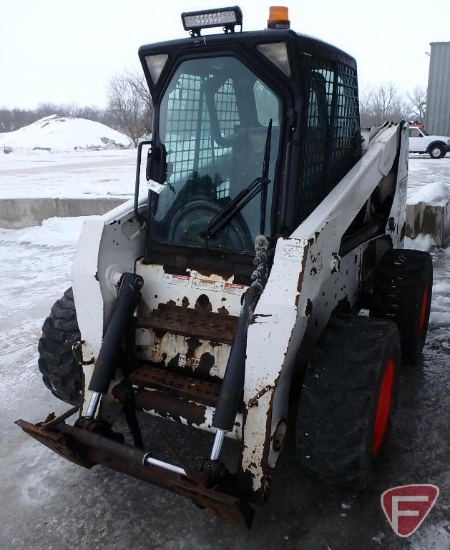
{"x": 229, "y": 292}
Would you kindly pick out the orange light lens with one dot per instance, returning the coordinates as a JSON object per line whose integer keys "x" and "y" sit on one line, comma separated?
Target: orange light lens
{"x": 278, "y": 13}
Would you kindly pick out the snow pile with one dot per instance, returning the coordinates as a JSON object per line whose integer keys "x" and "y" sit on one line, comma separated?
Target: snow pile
{"x": 53, "y": 232}
{"x": 429, "y": 180}
{"x": 57, "y": 133}
{"x": 431, "y": 193}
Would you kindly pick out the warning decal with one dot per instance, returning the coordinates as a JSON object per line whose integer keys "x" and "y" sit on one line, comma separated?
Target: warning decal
{"x": 182, "y": 280}
{"x": 207, "y": 284}
{"x": 231, "y": 288}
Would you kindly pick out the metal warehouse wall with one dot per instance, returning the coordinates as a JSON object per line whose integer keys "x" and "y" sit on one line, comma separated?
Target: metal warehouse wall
{"x": 437, "y": 118}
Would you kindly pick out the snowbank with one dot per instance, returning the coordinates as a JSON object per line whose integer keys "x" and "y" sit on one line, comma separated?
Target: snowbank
{"x": 431, "y": 193}
{"x": 428, "y": 180}
{"x": 55, "y": 133}
{"x": 53, "y": 232}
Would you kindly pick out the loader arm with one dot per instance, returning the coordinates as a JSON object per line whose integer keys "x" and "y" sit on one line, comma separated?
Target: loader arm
{"x": 293, "y": 300}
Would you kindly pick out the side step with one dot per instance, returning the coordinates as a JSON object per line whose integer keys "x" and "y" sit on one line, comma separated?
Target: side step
{"x": 176, "y": 397}
{"x": 191, "y": 323}
{"x": 179, "y": 385}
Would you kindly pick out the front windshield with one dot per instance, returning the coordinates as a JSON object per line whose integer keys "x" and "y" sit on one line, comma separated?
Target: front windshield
{"x": 214, "y": 123}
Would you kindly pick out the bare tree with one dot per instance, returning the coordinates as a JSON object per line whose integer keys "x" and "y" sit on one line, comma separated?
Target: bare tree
{"x": 418, "y": 103}
{"x": 381, "y": 104}
{"x": 129, "y": 102}
{"x": 364, "y": 108}
{"x": 13, "y": 119}
{"x": 48, "y": 109}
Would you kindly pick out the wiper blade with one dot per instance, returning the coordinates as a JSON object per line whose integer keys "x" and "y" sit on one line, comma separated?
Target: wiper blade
{"x": 228, "y": 212}
{"x": 265, "y": 178}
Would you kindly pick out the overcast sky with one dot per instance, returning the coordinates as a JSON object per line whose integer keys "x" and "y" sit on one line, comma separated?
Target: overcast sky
{"x": 65, "y": 52}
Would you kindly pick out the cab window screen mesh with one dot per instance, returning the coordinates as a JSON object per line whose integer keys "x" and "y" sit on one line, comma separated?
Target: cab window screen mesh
{"x": 227, "y": 113}
{"x": 188, "y": 136}
{"x": 228, "y": 119}
{"x": 332, "y": 122}
{"x": 188, "y": 140}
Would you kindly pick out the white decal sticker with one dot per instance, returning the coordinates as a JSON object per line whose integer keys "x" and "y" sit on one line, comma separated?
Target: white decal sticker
{"x": 181, "y": 280}
{"x": 155, "y": 186}
{"x": 207, "y": 284}
{"x": 231, "y": 288}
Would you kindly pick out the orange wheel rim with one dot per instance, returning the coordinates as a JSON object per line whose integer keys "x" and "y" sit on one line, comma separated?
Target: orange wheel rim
{"x": 423, "y": 309}
{"x": 384, "y": 406}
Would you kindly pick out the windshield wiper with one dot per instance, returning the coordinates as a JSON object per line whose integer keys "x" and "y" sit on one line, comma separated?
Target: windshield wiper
{"x": 258, "y": 185}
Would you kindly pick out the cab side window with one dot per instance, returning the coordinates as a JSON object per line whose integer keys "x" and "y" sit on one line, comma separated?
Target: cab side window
{"x": 332, "y": 128}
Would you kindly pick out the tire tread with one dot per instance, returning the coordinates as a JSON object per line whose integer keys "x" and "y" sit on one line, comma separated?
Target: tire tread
{"x": 61, "y": 373}
{"x": 333, "y": 425}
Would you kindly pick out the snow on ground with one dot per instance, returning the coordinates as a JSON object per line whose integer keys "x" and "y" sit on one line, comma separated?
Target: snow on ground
{"x": 57, "y": 133}
{"x": 54, "y": 232}
{"x": 36, "y": 269}
{"x": 80, "y": 174}
{"x": 440, "y": 314}
{"x": 429, "y": 179}
{"x": 69, "y": 168}
{"x": 440, "y": 310}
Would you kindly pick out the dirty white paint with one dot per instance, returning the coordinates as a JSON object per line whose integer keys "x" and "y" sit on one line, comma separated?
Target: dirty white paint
{"x": 158, "y": 349}
{"x": 103, "y": 253}
{"x": 161, "y": 287}
{"x": 301, "y": 271}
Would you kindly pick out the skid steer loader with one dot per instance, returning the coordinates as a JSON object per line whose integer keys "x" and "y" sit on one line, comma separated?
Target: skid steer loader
{"x": 259, "y": 270}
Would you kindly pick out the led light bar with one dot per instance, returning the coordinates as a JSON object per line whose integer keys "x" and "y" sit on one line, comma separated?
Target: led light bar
{"x": 227, "y": 18}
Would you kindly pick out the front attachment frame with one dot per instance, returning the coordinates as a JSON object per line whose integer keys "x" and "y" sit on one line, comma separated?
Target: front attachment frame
{"x": 87, "y": 447}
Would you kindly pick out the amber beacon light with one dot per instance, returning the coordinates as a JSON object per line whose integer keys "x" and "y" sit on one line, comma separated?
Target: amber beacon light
{"x": 278, "y": 18}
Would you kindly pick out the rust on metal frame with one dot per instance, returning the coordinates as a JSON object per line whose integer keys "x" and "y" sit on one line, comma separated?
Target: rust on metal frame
{"x": 56, "y": 441}
{"x": 202, "y": 391}
{"x": 191, "y": 323}
{"x": 88, "y": 448}
{"x": 253, "y": 402}
{"x": 166, "y": 406}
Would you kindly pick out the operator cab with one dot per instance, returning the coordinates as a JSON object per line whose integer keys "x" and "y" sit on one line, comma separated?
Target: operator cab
{"x": 251, "y": 131}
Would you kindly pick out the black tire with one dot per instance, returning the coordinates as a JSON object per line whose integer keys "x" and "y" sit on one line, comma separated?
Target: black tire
{"x": 402, "y": 293}
{"x": 61, "y": 372}
{"x": 436, "y": 151}
{"x": 347, "y": 400}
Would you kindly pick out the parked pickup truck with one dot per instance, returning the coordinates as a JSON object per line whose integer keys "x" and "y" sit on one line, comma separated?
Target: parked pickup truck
{"x": 421, "y": 142}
